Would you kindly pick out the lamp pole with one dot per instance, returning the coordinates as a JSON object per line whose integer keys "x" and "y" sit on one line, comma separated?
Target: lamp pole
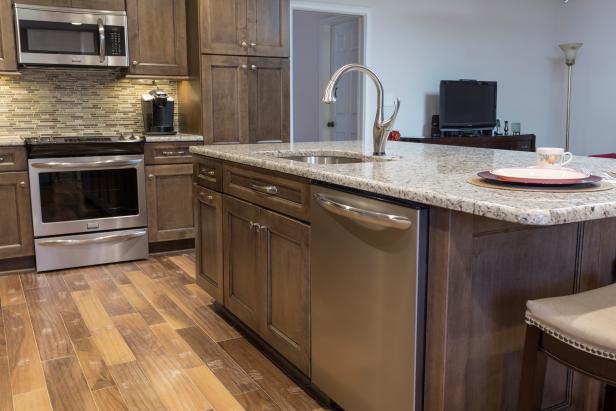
{"x": 570, "y": 50}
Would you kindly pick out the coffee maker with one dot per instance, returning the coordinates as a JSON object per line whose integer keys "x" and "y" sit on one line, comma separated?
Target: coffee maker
{"x": 158, "y": 108}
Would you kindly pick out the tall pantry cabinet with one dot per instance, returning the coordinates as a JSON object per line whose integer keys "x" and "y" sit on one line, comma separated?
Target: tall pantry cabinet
{"x": 238, "y": 58}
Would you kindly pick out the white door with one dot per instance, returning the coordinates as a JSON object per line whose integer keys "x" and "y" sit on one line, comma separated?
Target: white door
{"x": 345, "y": 38}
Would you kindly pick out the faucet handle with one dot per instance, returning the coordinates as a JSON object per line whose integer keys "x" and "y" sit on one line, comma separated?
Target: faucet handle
{"x": 389, "y": 123}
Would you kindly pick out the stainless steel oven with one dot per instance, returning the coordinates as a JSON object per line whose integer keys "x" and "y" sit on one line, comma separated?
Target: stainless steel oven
{"x": 88, "y": 210}
{"x": 68, "y": 36}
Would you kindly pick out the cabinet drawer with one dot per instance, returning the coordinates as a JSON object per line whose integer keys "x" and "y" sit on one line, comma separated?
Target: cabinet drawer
{"x": 207, "y": 172}
{"x": 168, "y": 153}
{"x": 280, "y": 192}
{"x": 13, "y": 159}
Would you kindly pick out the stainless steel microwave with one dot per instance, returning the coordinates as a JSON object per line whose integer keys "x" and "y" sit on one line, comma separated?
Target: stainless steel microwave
{"x": 71, "y": 37}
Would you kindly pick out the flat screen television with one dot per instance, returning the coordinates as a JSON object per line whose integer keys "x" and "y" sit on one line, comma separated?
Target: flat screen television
{"x": 467, "y": 104}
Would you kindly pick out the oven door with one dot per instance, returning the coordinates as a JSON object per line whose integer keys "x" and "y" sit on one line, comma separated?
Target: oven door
{"x": 53, "y": 36}
{"x": 87, "y": 194}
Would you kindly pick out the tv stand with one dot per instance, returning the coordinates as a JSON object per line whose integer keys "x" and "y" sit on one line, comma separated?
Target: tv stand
{"x": 466, "y": 133}
{"x": 524, "y": 142}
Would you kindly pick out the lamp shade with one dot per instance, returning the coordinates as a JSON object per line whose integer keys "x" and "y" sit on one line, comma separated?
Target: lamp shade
{"x": 570, "y": 50}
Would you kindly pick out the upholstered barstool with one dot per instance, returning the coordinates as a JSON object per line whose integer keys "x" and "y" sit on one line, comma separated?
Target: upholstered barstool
{"x": 578, "y": 331}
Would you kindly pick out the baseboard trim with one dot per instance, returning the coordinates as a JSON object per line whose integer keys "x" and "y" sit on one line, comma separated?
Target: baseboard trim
{"x": 17, "y": 264}
{"x": 176, "y": 245}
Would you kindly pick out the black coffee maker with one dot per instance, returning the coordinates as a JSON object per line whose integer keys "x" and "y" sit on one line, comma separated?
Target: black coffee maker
{"x": 158, "y": 108}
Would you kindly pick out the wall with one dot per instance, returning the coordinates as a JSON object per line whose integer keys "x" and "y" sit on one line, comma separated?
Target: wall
{"x": 594, "y": 86}
{"x": 72, "y": 102}
{"x": 413, "y": 44}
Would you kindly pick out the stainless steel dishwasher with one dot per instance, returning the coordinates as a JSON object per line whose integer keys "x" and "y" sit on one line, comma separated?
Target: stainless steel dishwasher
{"x": 368, "y": 272}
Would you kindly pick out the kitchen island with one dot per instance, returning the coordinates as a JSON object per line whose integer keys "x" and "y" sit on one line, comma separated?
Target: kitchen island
{"x": 489, "y": 251}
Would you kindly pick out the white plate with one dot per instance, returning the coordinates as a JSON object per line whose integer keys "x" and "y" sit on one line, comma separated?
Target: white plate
{"x": 540, "y": 173}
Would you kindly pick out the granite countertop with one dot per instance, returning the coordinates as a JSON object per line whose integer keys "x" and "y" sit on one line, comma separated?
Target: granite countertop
{"x": 179, "y": 137}
{"x": 11, "y": 141}
{"x": 436, "y": 175}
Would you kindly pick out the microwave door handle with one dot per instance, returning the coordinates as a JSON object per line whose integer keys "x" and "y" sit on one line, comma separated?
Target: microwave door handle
{"x": 101, "y": 40}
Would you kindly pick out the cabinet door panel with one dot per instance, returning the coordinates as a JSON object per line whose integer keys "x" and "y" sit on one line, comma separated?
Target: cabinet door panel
{"x": 209, "y": 244}
{"x": 223, "y": 26}
{"x": 169, "y": 196}
{"x": 242, "y": 280}
{"x": 268, "y": 90}
{"x": 225, "y": 95}
{"x": 285, "y": 324}
{"x": 157, "y": 37}
{"x": 99, "y": 4}
{"x": 268, "y": 26}
{"x": 8, "y": 60}
{"x": 16, "y": 238}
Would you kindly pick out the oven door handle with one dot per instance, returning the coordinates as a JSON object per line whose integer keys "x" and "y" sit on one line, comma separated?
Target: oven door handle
{"x": 88, "y": 165}
{"x": 101, "y": 41}
{"x": 98, "y": 240}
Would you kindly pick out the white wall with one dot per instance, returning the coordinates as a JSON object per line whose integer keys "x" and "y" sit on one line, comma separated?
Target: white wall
{"x": 413, "y": 44}
{"x": 594, "y": 76}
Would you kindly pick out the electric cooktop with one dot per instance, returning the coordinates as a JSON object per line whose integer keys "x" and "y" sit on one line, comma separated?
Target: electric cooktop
{"x": 80, "y": 146}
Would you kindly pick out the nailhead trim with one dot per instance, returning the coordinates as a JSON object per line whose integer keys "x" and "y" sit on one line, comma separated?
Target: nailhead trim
{"x": 568, "y": 340}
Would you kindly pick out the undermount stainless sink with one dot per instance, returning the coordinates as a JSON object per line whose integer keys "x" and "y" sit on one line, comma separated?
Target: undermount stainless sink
{"x": 326, "y": 159}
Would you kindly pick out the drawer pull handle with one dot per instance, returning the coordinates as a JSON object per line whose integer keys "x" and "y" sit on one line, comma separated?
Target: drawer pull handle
{"x": 205, "y": 174}
{"x": 271, "y": 190}
{"x": 208, "y": 197}
{"x": 1, "y": 159}
{"x": 174, "y": 153}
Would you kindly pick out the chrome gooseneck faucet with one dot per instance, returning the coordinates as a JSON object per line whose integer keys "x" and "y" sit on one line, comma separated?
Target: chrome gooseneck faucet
{"x": 382, "y": 127}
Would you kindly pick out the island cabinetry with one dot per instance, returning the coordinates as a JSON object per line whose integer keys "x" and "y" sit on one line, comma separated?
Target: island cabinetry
{"x": 8, "y": 56}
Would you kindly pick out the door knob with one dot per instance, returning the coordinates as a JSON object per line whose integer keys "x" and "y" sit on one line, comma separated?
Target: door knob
{"x": 22, "y": 184}
{"x": 150, "y": 176}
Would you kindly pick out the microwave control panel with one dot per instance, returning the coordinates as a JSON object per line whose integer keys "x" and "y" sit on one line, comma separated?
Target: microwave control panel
{"x": 115, "y": 41}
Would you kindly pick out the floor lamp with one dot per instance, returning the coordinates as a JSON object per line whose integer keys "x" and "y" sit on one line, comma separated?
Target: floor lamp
{"x": 570, "y": 50}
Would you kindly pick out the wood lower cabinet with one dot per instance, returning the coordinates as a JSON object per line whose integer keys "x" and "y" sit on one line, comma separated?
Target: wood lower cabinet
{"x": 8, "y": 58}
{"x": 157, "y": 37}
{"x": 16, "y": 237}
{"x": 169, "y": 199}
{"x": 209, "y": 241}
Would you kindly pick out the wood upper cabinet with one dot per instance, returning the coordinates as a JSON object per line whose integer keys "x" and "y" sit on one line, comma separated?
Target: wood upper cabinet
{"x": 157, "y": 37}
{"x": 16, "y": 237}
{"x": 209, "y": 241}
{"x": 225, "y": 99}
{"x": 268, "y": 99}
{"x": 242, "y": 278}
{"x": 245, "y": 27}
{"x": 8, "y": 58}
{"x": 169, "y": 199}
{"x": 285, "y": 286}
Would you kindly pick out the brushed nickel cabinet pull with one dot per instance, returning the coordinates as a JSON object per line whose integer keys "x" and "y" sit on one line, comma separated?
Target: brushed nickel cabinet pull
{"x": 22, "y": 184}
{"x": 271, "y": 190}
{"x": 150, "y": 176}
{"x": 173, "y": 153}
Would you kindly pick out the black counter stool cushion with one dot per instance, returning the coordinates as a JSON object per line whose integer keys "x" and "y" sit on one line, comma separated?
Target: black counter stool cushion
{"x": 586, "y": 321}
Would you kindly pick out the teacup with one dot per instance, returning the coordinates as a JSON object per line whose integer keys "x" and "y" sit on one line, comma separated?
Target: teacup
{"x": 553, "y": 157}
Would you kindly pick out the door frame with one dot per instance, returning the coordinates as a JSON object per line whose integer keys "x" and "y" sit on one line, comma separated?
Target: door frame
{"x": 365, "y": 14}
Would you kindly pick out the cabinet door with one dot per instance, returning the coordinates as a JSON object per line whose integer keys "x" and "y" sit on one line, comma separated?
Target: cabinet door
{"x": 268, "y": 28}
{"x": 170, "y": 206}
{"x": 242, "y": 295}
{"x": 225, "y": 98}
{"x": 285, "y": 266}
{"x": 268, "y": 103}
{"x": 99, "y": 4}
{"x": 209, "y": 241}
{"x": 223, "y": 26}
{"x": 16, "y": 238}
{"x": 8, "y": 60}
{"x": 157, "y": 37}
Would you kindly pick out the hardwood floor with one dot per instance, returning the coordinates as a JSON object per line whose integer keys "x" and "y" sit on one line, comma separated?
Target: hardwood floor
{"x": 129, "y": 336}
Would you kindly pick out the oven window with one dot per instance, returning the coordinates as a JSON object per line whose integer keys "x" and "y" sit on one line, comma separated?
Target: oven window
{"x": 58, "y": 38}
{"x": 85, "y": 195}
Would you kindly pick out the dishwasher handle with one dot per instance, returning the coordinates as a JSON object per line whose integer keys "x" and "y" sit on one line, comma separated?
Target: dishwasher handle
{"x": 363, "y": 216}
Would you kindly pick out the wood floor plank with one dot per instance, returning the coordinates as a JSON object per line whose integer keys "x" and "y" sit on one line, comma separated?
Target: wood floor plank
{"x": 173, "y": 270}
{"x": 69, "y": 312}
{"x": 136, "y": 388}
{"x": 11, "y": 292}
{"x": 213, "y": 389}
{"x": 176, "y": 346}
{"x": 222, "y": 365}
{"x": 185, "y": 264}
{"x": 25, "y": 366}
{"x": 141, "y": 304}
{"x": 116, "y": 271}
{"x": 139, "y": 337}
{"x": 199, "y": 292}
{"x": 157, "y": 296}
{"x": 93, "y": 365}
{"x": 104, "y": 334}
{"x": 6, "y": 397}
{"x": 152, "y": 269}
{"x": 51, "y": 336}
{"x": 257, "y": 401}
{"x": 111, "y": 297}
{"x": 75, "y": 281}
{"x": 31, "y": 280}
{"x": 67, "y": 385}
{"x": 95, "y": 273}
{"x": 37, "y": 400}
{"x": 2, "y": 337}
{"x": 274, "y": 382}
{"x": 109, "y": 399}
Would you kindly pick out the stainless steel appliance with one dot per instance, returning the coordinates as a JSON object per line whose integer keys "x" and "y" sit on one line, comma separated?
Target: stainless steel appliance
{"x": 69, "y": 36}
{"x": 158, "y": 108}
{"x": 368, "y": 273}
{"x": 88, "y": 200}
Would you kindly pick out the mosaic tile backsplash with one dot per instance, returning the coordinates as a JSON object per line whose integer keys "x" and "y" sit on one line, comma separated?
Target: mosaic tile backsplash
{"x": 73, "y": 102}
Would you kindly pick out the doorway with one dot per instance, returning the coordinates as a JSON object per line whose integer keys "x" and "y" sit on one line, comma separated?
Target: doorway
{"x": 323, "y": 42}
